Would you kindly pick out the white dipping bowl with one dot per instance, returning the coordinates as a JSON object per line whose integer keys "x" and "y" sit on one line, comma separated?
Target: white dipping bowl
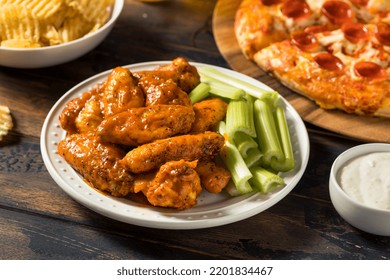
{"x": 58, "y": 54}
{"x": 366, "y": 218}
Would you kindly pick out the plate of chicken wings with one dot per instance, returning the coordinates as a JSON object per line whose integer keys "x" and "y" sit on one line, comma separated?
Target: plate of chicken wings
{"x": 107, "y": 142}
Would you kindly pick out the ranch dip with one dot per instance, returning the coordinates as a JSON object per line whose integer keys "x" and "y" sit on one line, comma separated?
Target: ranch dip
{"x": 366, "y": 179}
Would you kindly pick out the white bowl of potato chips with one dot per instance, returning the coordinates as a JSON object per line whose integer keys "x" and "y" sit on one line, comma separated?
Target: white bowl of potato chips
{"x": 42, "y": 33}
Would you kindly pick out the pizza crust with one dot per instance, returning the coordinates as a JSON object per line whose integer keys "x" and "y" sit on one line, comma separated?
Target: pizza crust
{"x": 384, "y": 111}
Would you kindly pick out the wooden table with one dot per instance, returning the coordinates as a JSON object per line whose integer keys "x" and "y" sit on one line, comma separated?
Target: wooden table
{"x": 39, "y": 221}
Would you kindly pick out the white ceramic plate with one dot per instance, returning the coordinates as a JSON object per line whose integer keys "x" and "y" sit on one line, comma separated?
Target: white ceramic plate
{"x": 212, "y": 209}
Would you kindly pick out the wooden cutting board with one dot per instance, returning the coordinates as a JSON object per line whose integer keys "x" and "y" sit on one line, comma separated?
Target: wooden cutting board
{"x": 366, "y": 129}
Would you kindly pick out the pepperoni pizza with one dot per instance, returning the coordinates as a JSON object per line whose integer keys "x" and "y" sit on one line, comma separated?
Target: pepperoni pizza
{"x": 336, "y": 53}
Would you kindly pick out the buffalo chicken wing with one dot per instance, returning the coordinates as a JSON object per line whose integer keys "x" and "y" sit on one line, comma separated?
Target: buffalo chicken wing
{"x": 166, "y": 92}
{"x": 121, "y": 91}
{"x": 73, "y": 108}
{"x": 98, "y": 163}
{"x": 208, "y": 113}
{"x": 176, "y": 185}
{"x": 143, "y": 125}
{"x": 179, "y": 71}
{"x": 203, "y": 146}
{"x": 214, "y": 178}
{"x": 90, "y": 116}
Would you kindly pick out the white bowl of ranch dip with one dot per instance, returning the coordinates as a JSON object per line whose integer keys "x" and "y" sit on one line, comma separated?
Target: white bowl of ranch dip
{"x": 359, "y": 186}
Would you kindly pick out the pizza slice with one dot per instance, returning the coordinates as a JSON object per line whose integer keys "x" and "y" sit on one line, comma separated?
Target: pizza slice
{"x": 259, "y": 23}
{"x": 336, "y": 52}
{"x": 319, "y": 77}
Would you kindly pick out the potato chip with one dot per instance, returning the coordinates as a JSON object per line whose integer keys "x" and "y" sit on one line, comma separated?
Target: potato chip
{"x": 43, "y": 9}
{"x": 50, "y": 35}
{"x": 74, "y": 28}
{"x": 94, "y": 11}
{"x": 19, "y": 43}
{"x": 11, "y": 2}
{"x": 93, "y": 14}
{"x": 18, "y": 23}
{"x": 5, "y": 121}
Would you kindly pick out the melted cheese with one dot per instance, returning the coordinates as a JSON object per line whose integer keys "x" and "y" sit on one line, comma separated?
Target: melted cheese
{"x": 293, "y": 25}
{"x": 315, "y": 5}
{"x": 352, "y": 53}
{"x": 334, "y": 37}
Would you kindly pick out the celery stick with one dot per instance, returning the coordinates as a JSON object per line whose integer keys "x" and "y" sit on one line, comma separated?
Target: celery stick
{"x": 234, "y": 82}
{"x": 235, "y": 164}
{"x": 253, "y": 158}
{"x": 264, "y": 180}
{"x": 232, "y": 190}
{"x": 222, "y": 89}
{"x": 200, "y": 92}
{"x": 221, "y": 129}
{"x": 244, "y": 142}
{"x": 237, "y": 167}
{"x": 267, "y": 133}
{"x": 284, "y": 135}
{"x": 239, "y": 117}
{"x": 250, "y": 100}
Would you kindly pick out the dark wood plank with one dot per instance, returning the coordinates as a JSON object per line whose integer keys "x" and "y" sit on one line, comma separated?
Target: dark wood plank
{"x": 25, "y": 236}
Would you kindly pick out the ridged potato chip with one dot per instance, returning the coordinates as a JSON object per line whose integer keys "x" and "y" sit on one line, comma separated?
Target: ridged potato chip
{"x": 50, "y": 22}
{"x": 19, "y": 43}
{"x": 74, "y": 28}
{"x": 43, "y": 9}
{"x": 19, "y": 24}
{"x": 5, "y": 121}
{"x": 93, "y": 11}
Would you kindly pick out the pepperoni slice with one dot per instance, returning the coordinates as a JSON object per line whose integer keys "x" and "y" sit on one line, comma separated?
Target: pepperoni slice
{"x": 329, "y": 62}
{"x": 355, "y": 32}
{"x": 305, "y": 41}
{"x": 316, "y": 29}
{"x": 370, "y": 70}
{"x": 383, "y": 33}
{"x": 360, "y": 3}
{"x": 338, "y": 12}
{"x": 296, "y": 9}
{"x": 271, "y": 2}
